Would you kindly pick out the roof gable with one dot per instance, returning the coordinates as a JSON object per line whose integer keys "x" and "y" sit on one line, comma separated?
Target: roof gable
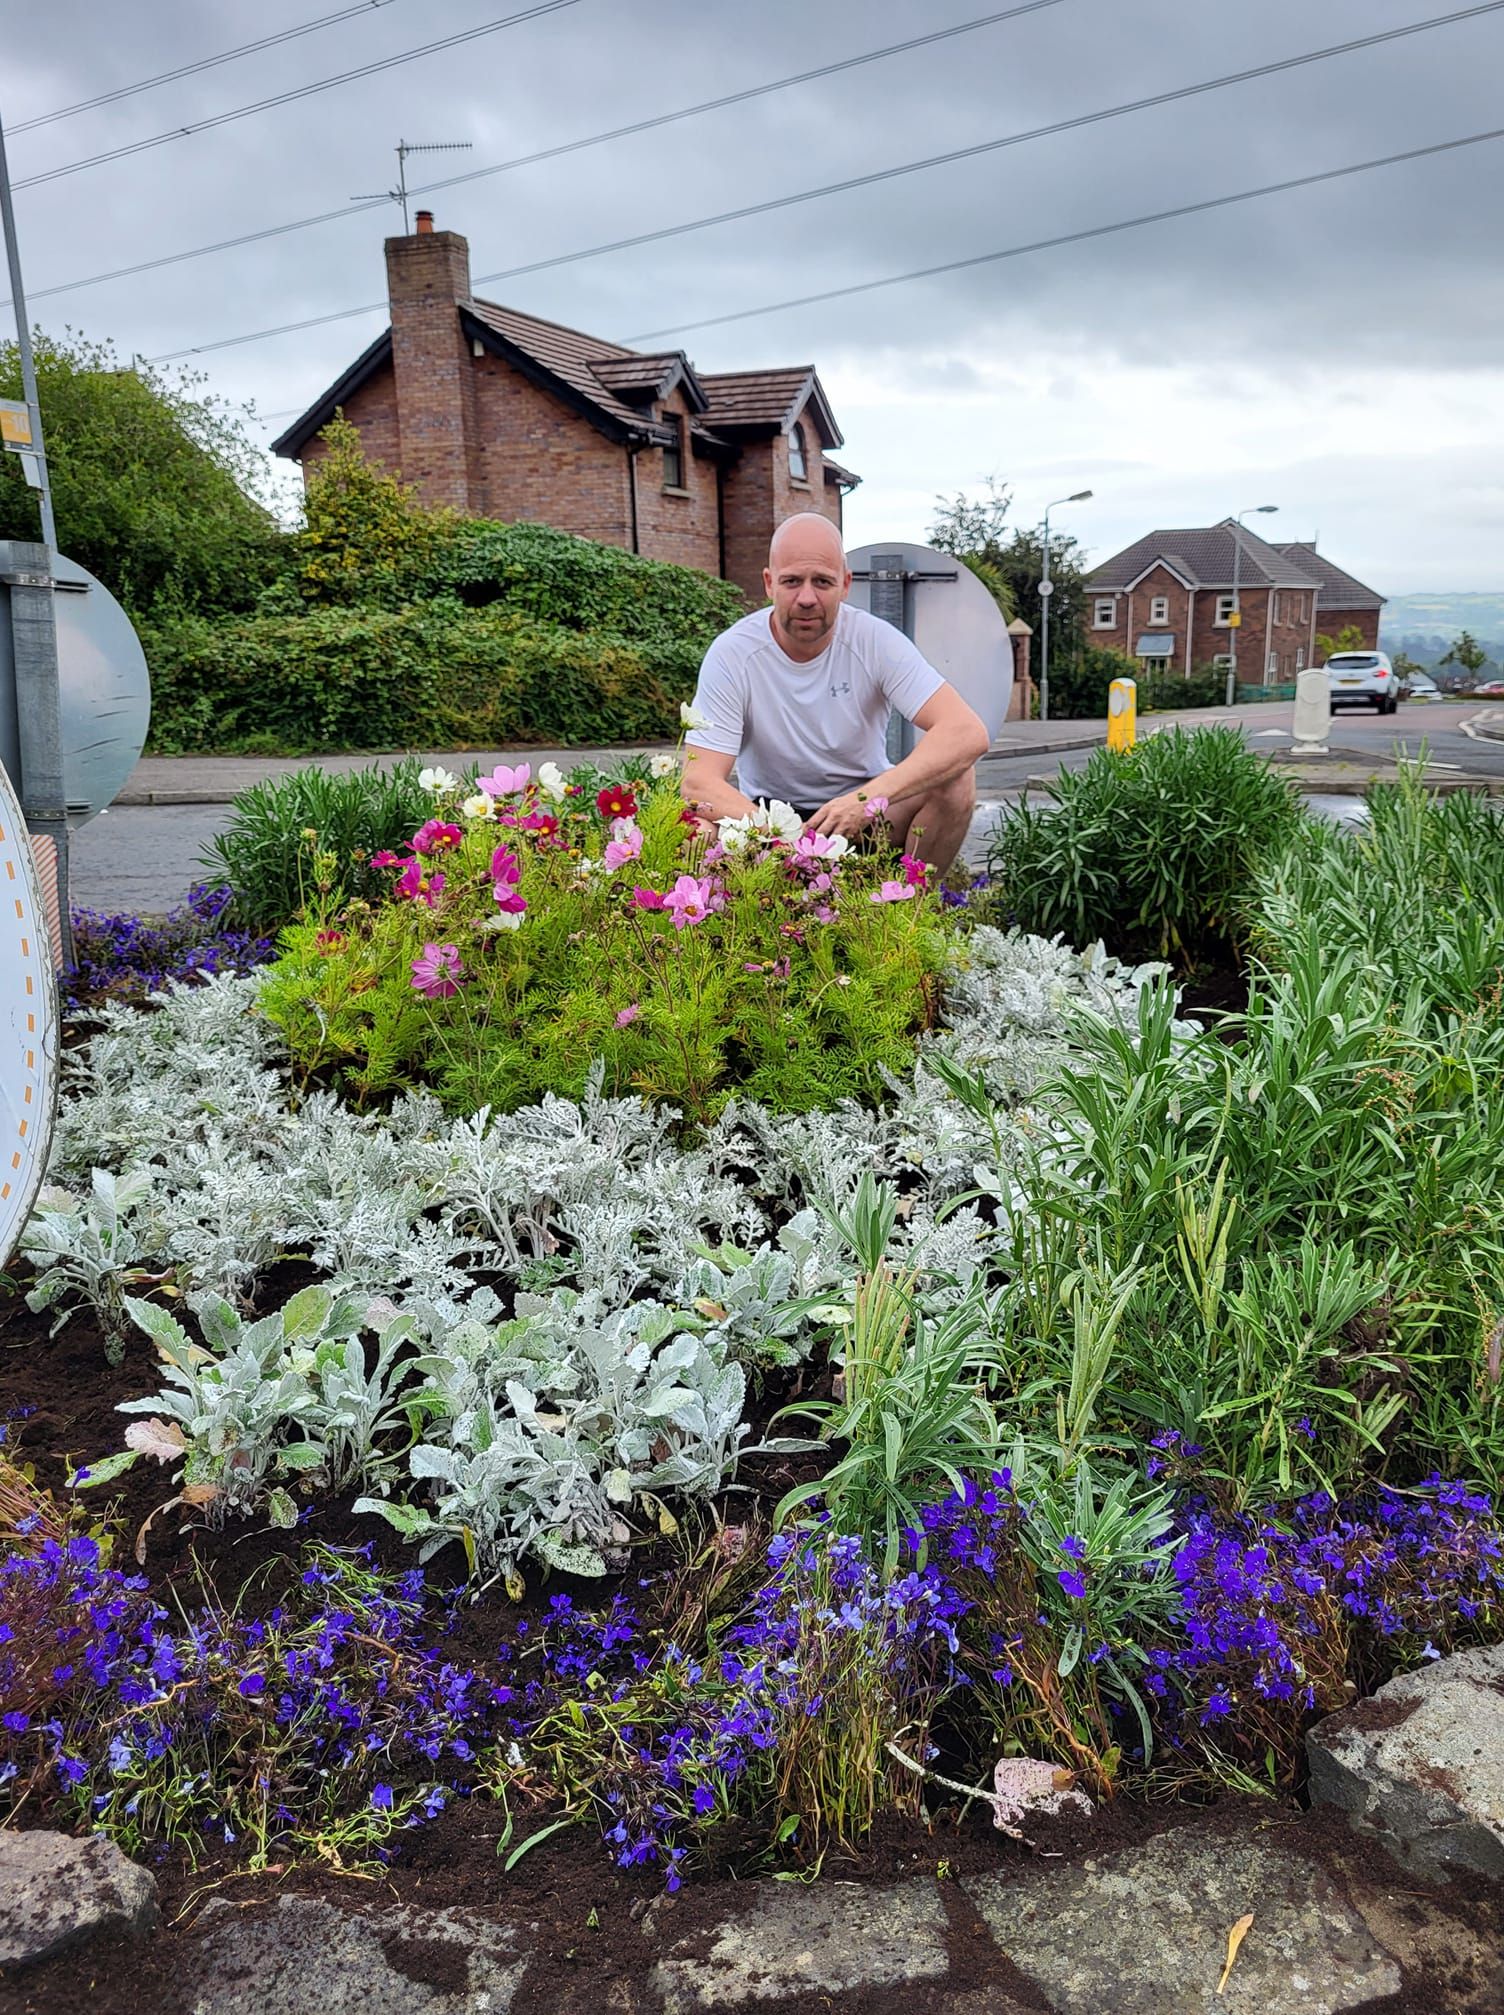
{"x": 1203, "y": 557}
{"x": 1339, "y": 589}
{"x": 770, "y": 402}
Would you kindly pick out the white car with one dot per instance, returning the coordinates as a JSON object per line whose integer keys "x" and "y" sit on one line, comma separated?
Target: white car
{"x": 1363, "y": 679}
{"x": 1419, "y": 686}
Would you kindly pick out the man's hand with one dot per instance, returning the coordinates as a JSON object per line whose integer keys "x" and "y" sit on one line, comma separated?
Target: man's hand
{"x": 846, "y": 815}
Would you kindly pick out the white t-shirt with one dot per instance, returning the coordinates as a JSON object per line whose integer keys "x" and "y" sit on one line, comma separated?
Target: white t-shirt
{"x": 805, "y": 733}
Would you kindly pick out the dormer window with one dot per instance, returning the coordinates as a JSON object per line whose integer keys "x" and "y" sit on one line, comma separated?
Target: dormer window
{"x": 798, "y": 460}
{"x": 673, "y": 452}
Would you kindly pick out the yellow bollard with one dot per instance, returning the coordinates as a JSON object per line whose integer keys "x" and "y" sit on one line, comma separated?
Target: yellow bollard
{"x": 1122, "y": 713}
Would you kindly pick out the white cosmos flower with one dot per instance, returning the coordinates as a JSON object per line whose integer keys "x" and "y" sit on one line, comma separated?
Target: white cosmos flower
{"x": 783, "y": 820}
{"x": 436, "y": 780}
{"x": 736, "y": 834}
{"x": 663, "y": 764}
{"x": 551, "y": 781}
{"x": 478, "y": 807}
{"x": 690, "y": 717}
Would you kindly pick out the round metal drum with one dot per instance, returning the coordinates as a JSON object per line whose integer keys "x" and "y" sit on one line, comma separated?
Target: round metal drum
{"x": 28, "y": 1027}
{"x": 944, "y": 608}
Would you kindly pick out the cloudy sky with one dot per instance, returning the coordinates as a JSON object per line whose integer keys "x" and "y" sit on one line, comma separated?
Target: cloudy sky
{"x": 1332, "y": 349}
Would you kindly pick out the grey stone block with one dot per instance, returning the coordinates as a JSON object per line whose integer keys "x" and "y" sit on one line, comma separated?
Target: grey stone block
{"x": 1144, "y": 1931}
{"x": 56, "y": 1891}
{"x": 1421, "y": 1764}
{"x": 302, "y": 1953}
{"x": 831, "y": 1938}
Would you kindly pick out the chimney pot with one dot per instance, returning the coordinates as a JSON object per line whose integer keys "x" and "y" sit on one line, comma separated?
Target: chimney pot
{"x": 425, "y": 221}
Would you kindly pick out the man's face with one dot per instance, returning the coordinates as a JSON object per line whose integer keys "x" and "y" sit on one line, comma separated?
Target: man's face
{"x": 807, "y": 583}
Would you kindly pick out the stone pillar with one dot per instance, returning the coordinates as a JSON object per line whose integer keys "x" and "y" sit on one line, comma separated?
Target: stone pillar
{"x": 1021, "y": 705}
{"x": 428, "y": 277}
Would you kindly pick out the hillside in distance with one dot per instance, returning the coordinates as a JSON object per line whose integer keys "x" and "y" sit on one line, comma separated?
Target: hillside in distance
{"x": 1439, "y": 619}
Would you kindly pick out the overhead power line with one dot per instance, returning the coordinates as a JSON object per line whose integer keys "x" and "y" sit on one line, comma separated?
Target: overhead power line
{"x": 301, "y": 91}
{"x": 562, "y": 147}
{"x": 193, "y": 69}
{"x": 1074, "y": 237}
{"x": 878, "y": 174}
{"x": 1057, "y": 126}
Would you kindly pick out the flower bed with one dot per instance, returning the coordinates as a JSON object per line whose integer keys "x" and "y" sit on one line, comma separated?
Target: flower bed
{"x": 1098, "y": 1389}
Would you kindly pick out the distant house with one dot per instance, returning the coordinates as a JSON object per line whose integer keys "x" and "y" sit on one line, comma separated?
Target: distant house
{"x": 1166, "y": 600}
{"x": 1343, "y": 603}
{"x": 499, "y": 414}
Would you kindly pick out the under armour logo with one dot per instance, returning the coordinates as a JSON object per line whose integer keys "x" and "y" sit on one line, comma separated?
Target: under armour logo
{"x": 836, "y": 692}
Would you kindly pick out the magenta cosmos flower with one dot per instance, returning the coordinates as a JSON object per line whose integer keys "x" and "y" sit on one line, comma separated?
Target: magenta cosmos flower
{"x": 505, "y": 782}
{"x": 438, "y": 972}
{"x": 688, "y": 901}
{"x": 436, "y": 836}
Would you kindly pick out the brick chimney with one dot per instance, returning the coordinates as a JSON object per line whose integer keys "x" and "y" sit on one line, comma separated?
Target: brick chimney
{"x": 427, "y": 279}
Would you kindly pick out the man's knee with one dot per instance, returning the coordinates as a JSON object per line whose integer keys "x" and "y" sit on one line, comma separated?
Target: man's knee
{"x": 960, "y": 792}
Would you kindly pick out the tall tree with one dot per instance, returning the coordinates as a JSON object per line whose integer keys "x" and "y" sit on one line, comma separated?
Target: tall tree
{"x": 975, "y": 530}
{"x": 154, "y": 484}
{"x": 1467, "y": 654}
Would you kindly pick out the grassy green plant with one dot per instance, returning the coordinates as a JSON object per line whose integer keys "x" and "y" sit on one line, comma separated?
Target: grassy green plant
{"x": 1152, "y": 851}
{"x": 309, "y": 836}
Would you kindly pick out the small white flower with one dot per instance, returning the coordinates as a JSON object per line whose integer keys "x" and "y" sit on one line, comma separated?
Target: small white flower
{"x": 436, "y": 781}
{"x": 663, "y": 764}
{"x": 509, "y": 920}
{"x": 690, "y": 717}
{"x": 783, "y": 820}
{"x": 551, "y": 781}
{"x": 479, "y": 807}
{"x": 736, "y": 834}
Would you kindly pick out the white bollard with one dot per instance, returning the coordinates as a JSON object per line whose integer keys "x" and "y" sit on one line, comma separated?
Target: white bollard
{"x": 1313, "y": 713}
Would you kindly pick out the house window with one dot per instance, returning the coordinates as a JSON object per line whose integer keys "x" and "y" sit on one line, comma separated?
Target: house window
{"x": 798, "y": 461}
{"x": 1274, "y": 611}
{"x": 1271, "y": 670}
{"x": 673, "y": 453}
{"x": 1300, "y": 657}
{"x": 1225, "y": 606}
{"x": 1222, "y": 662}
{"x": 1105, "y": 612}
{"x": 1159, "y": 608}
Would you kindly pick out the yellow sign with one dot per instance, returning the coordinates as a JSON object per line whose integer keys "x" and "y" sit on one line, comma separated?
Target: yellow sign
{"x": 15, "y": 424}
{"x": 1122, "y": 714}
{"x": 1235, "y": 619}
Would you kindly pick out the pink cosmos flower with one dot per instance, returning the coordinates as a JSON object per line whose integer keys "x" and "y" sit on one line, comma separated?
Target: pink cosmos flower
{"x": 893, "y": 892}
{"x": 504, "y": 782}
{"x": 387, "y": 859}
{"x": 438, "y": 972}
{"x": 410, "y": 882}
{"x": 649, "y": 899}
{"x": 689, "y": 900}
{"x": 625, "y": 844}
{"x": 876, "y": 807}
{"x": 823, "y": 913}
{"x": 715, "y": 854}
{"x": 543, "y": 823}
{"x": 628, "y": 1015}
{"x": 914, "y": 871}
{"x": 811, "y": 845}
{"x": 436, "y": 836}
{"x": 508, "y": 901}
{"x": 431, "y": 890}
{"x": 505, "y": 866}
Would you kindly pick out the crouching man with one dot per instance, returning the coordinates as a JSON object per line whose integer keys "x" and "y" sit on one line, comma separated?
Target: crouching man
{"x": 795, "y": 701}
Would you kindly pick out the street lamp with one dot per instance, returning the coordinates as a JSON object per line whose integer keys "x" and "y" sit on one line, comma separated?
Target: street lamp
{"x": 1252, "y": 511}
{"x": 1046, "y": 589}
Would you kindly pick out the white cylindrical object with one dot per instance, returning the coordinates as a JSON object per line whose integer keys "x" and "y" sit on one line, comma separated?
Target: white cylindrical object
{"x": 28, "y": 1027}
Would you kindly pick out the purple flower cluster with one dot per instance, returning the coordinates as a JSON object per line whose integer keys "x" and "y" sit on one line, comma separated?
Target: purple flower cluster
{"x": 261, "y": 1728}
{"x": 126, "y": 958}
{"x": 822, "y": 1657}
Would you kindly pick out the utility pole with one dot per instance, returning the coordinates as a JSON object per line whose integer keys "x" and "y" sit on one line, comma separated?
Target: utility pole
{"x": 1236, "y": 624}
{"x": 1046, "y": 590}
{"x": 33, "y": 626}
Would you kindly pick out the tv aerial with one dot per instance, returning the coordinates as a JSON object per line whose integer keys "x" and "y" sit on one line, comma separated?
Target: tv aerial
{"x": 401, "y": 192}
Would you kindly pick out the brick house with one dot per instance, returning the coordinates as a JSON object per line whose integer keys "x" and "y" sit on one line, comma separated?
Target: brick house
{"x": 1343, "y": 603}
{"x": 499, "y": 414}
{"x": 1166, "y": 599}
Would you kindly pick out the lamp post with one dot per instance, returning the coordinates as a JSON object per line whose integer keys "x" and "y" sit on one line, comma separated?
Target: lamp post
{"x": 1046, "y": 589}
{"x": 1252, "y": 511}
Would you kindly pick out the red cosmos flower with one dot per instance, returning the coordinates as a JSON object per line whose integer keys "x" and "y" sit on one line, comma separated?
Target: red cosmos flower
{"x": 646, "y": 899}
{"x": 616, "y": 802}
{"x": 436, "y": 836}
{"x": 328, "y": 941}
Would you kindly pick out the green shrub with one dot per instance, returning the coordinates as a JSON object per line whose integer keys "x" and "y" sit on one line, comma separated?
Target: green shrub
{"x": 1170, "y": 692}
{"x": 1080, "y": 676}
{"x": 1153, "y": 850}
{"x": 797, "y": 994}
{"x": 366, "y": 678}
{"x": 272, "y": 865}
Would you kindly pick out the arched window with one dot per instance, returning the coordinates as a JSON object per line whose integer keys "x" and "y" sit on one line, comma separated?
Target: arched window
{"x": 798, "y": 461}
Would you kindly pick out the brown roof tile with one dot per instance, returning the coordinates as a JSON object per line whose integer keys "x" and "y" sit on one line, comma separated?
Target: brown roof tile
{"x": 1339, "y": 590}
{"x": 1204, "y": 557}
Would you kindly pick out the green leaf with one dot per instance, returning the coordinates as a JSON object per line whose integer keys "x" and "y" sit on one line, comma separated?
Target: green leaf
{"x": 281, "y": 1510}
{"x": 536, "y": 1840}
{"x": 88, "y": 1474}
{"x": 306, "y": 1314}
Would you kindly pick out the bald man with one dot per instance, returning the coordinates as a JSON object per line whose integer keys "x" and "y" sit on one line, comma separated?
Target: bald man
{"x": 795, "y": 701}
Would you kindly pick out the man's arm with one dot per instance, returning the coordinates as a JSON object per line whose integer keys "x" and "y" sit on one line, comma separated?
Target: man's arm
{"x": 954, "y": 739}
{"x": 706, "y": 785}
